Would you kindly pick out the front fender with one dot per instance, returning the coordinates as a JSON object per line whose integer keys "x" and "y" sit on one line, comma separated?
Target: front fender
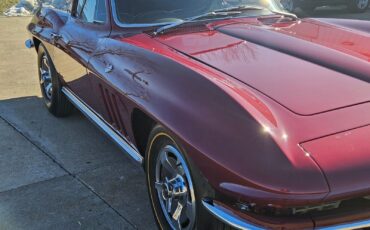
{"x": 218, "y": 121}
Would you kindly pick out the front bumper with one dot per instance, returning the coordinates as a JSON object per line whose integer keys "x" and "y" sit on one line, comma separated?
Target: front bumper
{"x": 230, "y": 218}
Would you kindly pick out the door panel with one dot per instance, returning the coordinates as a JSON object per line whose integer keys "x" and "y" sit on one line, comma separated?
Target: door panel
{"x": 76, "y": 43}
{"x": 111, "y": 86}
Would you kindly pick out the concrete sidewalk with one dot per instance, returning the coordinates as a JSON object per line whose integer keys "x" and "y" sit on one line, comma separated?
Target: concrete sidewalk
{"x": 58, "y": 173}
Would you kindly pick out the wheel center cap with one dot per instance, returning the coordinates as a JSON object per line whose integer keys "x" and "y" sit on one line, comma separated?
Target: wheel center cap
{"x": 174, "y": 187}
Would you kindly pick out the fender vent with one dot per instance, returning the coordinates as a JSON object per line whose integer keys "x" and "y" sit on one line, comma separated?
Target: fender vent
{"x": 112, "y": 109}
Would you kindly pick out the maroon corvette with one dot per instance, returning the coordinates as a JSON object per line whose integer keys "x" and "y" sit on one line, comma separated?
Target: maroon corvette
{"x": 242, "y": 115}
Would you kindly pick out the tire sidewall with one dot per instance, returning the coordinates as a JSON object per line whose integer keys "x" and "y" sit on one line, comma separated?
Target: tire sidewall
{"x": 50, "y": 104}
{"x": 58, "y": 105}
{"x": 158, "y": 139}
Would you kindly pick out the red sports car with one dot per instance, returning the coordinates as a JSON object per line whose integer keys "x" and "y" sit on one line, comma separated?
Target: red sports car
{"x": 242, "y": 115}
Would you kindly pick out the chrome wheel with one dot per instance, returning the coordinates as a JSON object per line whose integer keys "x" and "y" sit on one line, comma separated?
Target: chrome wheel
{"x": 175, "y": 188}
{"x": 45, "y": 78}
{"x": 362, "y": 4}
{"x": 288, "y": 5}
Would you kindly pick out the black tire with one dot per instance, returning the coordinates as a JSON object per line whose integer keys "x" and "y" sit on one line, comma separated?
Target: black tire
{"x": 55, "y": 100}
{"x": 158, "y": 139}
{"x": 354, "y": 6}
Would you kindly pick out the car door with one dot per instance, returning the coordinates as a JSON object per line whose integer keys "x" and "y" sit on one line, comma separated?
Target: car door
{"x": 107, "y": 72}
{"x": 76, "y": 42}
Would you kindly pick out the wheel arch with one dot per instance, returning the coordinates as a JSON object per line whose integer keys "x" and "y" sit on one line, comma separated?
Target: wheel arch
{"x": 36, "y": 43}
{"x": 141, "y": 124}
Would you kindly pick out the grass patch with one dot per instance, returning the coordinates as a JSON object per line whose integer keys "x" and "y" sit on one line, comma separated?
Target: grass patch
{"x": 6, "y": 4}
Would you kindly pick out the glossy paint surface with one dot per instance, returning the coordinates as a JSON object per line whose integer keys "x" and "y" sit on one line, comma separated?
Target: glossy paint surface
{"x": 344, "y": 157}
{"x": 302, "y": 86}
{"x": 296, "y": 83}
{"x": 254, "y": 116}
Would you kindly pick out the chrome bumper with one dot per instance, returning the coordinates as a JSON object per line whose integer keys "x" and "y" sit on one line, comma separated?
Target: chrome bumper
{"x": 229, "y": 218}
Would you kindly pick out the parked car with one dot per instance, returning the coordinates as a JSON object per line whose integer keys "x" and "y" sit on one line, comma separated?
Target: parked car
{"x": 357, "y": 6}
{"x": 242, "y": 116}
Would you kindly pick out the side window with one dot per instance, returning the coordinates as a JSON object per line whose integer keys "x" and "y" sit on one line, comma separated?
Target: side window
{"x": 92, "y": 11}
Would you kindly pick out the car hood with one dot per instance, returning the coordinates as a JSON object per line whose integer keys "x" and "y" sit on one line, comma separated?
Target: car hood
{"x": 308, "y": 66}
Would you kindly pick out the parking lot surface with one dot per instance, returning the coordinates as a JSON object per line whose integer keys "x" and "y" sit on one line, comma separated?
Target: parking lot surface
{"x": 63, "y": 173}
{"x": 58, "y": 173}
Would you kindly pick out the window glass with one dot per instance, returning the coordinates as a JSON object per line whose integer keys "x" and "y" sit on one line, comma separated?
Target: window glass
{"x": 80, "y": 4}
{"x": 162, "y": 11}
{"x": 92, "y": 11}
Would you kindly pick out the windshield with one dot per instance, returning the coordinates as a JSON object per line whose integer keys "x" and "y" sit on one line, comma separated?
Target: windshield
{"x": 167, "y": 11}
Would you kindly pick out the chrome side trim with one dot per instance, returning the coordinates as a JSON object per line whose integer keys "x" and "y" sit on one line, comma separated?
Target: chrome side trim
{"x": 228, "y": 217}
{"x": 347, "y": 226}
{"x": 120, "y": 140}
{"x": 231, "y": 219}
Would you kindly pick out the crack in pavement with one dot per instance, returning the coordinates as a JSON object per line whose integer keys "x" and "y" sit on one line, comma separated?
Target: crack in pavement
{"x": 54, "y": 160}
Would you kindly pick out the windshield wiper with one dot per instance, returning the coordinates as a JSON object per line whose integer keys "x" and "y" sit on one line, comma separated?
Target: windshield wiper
{"x": 285, "y": 14}
{"x": 220, "y": 12}
{"x": 248, "y": 7}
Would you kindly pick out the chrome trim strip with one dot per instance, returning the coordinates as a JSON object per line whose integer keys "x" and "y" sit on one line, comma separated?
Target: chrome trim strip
{"x": 347, "y": 226}
{"x": 228, "y": 217}
{"x": 231, "y": 219}
{"x": 120, "y": 140}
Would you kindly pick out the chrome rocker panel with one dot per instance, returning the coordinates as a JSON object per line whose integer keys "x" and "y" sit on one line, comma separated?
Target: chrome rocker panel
{"x": 233, "y": 220}
{"x": 117, "y": 138}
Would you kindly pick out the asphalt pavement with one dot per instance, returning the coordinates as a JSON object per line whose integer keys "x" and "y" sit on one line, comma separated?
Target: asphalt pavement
{"x": 64, "y": 173}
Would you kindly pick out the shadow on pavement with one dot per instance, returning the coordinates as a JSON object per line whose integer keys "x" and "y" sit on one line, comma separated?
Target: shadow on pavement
{"x": 66, "y": 173}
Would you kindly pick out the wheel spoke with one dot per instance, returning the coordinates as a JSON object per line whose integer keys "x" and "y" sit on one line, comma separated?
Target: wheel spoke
{"x": 175, "y": 188}
{"x": 169, "y": 204}
{"x": 158, "y": 186}
{"x": 48, "y": 89}
{"x": 180, "y": 170}
{"x": 45, "y": 63}
{"x": 47, "y": 77}
{"x": 167, "y": 164}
